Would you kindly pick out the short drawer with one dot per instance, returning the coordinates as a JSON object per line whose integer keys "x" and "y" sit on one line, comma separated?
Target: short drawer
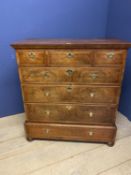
{"x": 109, "y": 57}
{"x": 70, "y": 132}
{"x": 70, "y": 57}
{"x": 31, "y": 57}
{"x": 103, "y": 75}
{"x": 70, "y": 113}
{"x": 70, "y": 93}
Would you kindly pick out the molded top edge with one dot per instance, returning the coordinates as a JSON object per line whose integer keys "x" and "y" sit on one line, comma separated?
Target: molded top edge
{"x": 71, "y": 44}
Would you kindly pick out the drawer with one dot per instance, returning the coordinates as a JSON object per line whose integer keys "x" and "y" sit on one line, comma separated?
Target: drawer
{"x": 70, "y": 57}
{"x": 70, "y": 93}
{"x": 109, "y": 57}
{"x": 79, "y": 75}
{"x": 70, "y": 113}
{"x": 31, "y": 57}
{"x": 70, "y": 132}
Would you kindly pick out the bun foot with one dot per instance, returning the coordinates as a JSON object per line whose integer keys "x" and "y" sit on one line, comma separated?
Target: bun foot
{"x": 29, "y": 139}
{"x": 110, "y": 144}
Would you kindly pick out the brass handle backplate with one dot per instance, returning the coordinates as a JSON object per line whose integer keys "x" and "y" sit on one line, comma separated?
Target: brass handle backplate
{"x": 31, "y": 55}
{"x": 69, "y": 72}
{"x": 93, "y": 75}
{"x": 68, "y": 107}
{"x": 110, "y": 55}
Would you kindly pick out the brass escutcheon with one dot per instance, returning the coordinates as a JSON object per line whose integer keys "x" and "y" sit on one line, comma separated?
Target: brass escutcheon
{"x": 70, "y": 55}
{"x": 92, "y": 94}
{"x": 69, "y": 88}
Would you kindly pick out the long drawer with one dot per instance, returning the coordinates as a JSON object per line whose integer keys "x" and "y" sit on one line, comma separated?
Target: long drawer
{"x": 86, "y": 75}
{"x": 70, "y": 132}
{"x": 70, "y": 93}
{"x": 70, "y": 113}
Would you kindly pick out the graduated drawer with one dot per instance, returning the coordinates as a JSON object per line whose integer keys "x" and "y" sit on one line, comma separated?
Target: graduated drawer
{"x": 105, "y": 57}
{"x": 79, "y": 75}
{"x": 70, "y": 113}
{"x": 109, "y": 57}
{"x": 70, "y": 132}
{"x": 31, "y": 57}
{"x": 74, "y": 57}
{"x": 70, "y": 93}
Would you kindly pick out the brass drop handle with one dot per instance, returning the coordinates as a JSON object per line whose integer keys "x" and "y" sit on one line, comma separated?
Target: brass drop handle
{"x": 32, "y": 74}
{"x": 91, "y": 114}
{"x": 93, "y": 75}
{"x": 90, "y": 133}
{"x": 92, "y": 94}
{"x": 70, "y": 55}
{"x": 47, "y": 94}
{"x": 45, "y": 74}
{"x": 69, "y": 88}
{"x": 68, "y": 107}
{"x": 46, "y": 131}
{"x": 47, "y": 112}
{"x": 110, "y": 55}
{"x": 31, "y": 55}
{"x": 69, "y": 72}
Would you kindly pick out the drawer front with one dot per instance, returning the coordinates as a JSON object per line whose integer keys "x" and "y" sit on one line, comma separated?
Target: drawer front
{"x": 70, "y": 113}
{"x": 31, "y": 57}
{"x": 66, "y": 75}
{"x": 70, "y": 93}
{"x": 70, "y": 132}
{"x": 70, "y": 57}
{"x": 110, "y": 57}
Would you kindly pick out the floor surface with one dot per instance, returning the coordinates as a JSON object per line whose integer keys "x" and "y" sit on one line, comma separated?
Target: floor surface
{"x": 20, "y": 157}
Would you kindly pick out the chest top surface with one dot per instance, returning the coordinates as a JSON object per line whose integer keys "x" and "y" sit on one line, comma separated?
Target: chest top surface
{"x": 71, "y": 44}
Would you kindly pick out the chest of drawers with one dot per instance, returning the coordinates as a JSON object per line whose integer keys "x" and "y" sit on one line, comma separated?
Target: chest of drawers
{"x": 71, "y": 88}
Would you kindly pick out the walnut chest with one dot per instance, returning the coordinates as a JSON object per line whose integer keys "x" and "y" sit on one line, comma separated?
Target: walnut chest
{"x": 71, "y": 88}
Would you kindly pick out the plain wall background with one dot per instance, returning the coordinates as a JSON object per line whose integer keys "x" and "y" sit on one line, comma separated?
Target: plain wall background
{"x": 119, "y": 25}
{"x": 42, "y": 19}
{"x": 58, "y": 19}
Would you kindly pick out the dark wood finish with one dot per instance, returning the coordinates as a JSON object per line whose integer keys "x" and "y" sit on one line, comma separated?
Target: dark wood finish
{"x": 75, "y": 75}
{"x": 70, "y": 113}
{"x": 71, "y": 93}
{"x": 71, "y": 88}
{"x": 90, "y": 133}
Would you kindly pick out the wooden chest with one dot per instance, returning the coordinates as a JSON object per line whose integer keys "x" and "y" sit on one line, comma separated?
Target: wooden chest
{"x": 71, "y": 88}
